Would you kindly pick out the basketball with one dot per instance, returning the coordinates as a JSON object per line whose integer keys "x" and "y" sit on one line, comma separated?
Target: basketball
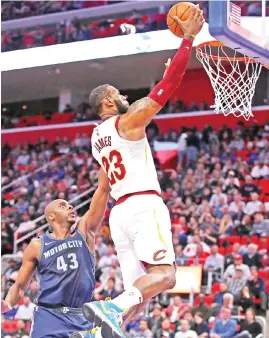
{"x": 182, "y": 10}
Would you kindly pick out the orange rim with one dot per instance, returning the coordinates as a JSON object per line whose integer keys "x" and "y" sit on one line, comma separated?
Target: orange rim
{"x": 222, "y": 58}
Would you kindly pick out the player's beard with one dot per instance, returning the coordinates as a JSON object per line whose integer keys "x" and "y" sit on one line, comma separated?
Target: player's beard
{"x": 122, "y": 108}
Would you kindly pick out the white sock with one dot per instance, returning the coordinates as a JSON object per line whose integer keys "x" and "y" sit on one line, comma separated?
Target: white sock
{"x": 98, "y": 333}
{"x": 128, "y": 298}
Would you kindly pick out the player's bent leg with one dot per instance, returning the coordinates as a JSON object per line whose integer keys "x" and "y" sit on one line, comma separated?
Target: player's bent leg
{"x": 159, "y": 278}
{"x": 134, "y": 312}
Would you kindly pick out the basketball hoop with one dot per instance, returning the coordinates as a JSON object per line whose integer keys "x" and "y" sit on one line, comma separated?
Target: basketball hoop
{"x": 233, "y": 78}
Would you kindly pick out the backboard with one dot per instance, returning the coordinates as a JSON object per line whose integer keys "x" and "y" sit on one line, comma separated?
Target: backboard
{"x": 248, "y": 35}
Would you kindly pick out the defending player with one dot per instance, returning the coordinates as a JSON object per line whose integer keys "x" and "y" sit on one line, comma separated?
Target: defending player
{"x": 139, "y": 223}
{"x": 64, "y": 259}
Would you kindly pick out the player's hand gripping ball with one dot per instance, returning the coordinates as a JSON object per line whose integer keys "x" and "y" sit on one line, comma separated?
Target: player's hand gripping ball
{"x": 185, "y": 18}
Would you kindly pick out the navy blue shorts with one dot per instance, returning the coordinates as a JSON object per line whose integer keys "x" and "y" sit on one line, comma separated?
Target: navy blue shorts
{"x": 48, "y": 323}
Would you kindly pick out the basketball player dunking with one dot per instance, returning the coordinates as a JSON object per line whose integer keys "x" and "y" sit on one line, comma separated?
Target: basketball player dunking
{"x": 64, "y": 259}
{"x": 139, "y": 223}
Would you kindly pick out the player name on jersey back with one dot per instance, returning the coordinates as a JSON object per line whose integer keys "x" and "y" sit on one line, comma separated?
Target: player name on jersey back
{"x": 102, "y": 142}
{"x": 128, "y": 164}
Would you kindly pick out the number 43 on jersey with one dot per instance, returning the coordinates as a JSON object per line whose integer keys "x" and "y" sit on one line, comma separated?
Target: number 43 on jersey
{"x": 70, "y": 263}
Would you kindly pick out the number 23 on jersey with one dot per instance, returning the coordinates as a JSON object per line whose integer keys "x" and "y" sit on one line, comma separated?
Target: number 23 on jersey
{"x": 114, "y": 159}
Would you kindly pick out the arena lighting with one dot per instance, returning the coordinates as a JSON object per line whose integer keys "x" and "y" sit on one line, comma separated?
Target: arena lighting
{"x": 105, "y": 48}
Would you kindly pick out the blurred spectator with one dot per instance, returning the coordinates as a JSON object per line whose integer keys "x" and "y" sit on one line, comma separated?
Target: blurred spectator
{"x": 155, "y": 322}
{"x": 106, "y": 261}
{"x": 254, "y": 205}
{"x": 218, "y": 297}
{"x": 254, "y": 9}
{"x": 252, "y": 258}
{"x": 193, "y": 146}
{"x": 100, "y": 246}
{"x": 226, "y": 224}
{"x": 236, "y": 206}
{"x": 201, "y": 327}
{"x": 214, "y": 262}
{"x": 33, "y": 291}
{"x": 248, "y": 187}
{"x": 231, "y": 184}
{"x": 112, "y": 271}
{"x": 217, "y": 197}
{"x": 68, "y": 109}
{"x": 237, "y": 143}
{"x": 181, "y": 259}
{"x": 177, "y": 309}
{"x": 245, "y": 301}
{"x": 257, "y": 287}
{"x": 21, "y": 331}
{"x": 110, "y": 290}
{"x": 165, "y": 330}
{"x": 185, "y": 331}
{"x": 260, "y": 225}
{"x": 144, "y": 331}
{"x": 238, "y": 262}
{"x": 182, "y": 145}
{"x": 249, "y": 327}
{"x": 236, "y": 284}
{"x": 26, "y": 225}
{"x": 260, "y": 171}
{"x": 12, "y": 266}
{"x": 224, "y": 327}
{"x": 25, "y": 311}
{"x": 196, "y": 248}
{"x": 201, "y": 308}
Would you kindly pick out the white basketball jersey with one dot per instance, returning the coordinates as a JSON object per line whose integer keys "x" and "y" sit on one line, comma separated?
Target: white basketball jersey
{"x": 129, "y": 164}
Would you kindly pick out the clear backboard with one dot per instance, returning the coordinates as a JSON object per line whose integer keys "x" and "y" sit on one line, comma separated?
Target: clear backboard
{"x": 234, "y": 60}
{"x": 241, "y": 27}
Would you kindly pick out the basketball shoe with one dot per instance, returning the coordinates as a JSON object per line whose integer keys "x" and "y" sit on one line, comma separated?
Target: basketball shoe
{"x": 87, "y": 334}
{"x": 107, "y": 315}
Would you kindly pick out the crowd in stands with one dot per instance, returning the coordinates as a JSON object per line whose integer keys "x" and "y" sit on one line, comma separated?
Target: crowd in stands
{"x": 219, "y": 207}
{"x": 11, "y": 10}
{"x": 83, "y": 113}
{"x": 76, "y": 30}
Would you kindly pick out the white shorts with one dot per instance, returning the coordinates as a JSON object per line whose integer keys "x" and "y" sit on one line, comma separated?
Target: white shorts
{"x": 141, "y": 230}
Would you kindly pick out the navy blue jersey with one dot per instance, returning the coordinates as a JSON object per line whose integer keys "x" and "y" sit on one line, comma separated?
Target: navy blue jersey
{"x": 65, "y": 271}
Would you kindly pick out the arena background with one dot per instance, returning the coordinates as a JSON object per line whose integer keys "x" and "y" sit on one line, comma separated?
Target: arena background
{"x": 213, "y": 170}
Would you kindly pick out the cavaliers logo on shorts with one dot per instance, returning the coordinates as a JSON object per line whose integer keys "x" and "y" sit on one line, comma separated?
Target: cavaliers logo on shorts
{"x": 159, "y": 255}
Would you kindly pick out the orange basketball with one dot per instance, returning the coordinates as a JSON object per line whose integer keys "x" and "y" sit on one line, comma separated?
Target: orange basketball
{"x": 182, "y": 10}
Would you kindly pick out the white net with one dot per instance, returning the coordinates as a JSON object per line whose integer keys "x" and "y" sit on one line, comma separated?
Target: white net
{"x": 233, "y": 78}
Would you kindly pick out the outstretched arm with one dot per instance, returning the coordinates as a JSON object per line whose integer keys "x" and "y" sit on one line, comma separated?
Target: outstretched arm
{"x": 29, "y": 262}
{"x": 94, "y": 216}
{"x": 142, "y": 111}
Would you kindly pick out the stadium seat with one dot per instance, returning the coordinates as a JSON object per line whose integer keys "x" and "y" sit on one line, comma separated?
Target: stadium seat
{"x": 264, "y": 274}
{"x": 233, "y": 239}
{"x": 222, "y": 251}
{"x": 244, "y": 240}
{"x": 242, "y": 153}
{"x": 10, "y": 326}
{"x": 264, "y": 186}
{"x": 228, "y": 250}
{"x": 254, "y": 239}
{"x": 216, "y": 288}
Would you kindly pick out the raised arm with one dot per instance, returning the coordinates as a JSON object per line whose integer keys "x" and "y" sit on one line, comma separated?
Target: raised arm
{"x": 29, "y": 262}
{"x": 141, "y": 112}
{"x": 94, "y": 216}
